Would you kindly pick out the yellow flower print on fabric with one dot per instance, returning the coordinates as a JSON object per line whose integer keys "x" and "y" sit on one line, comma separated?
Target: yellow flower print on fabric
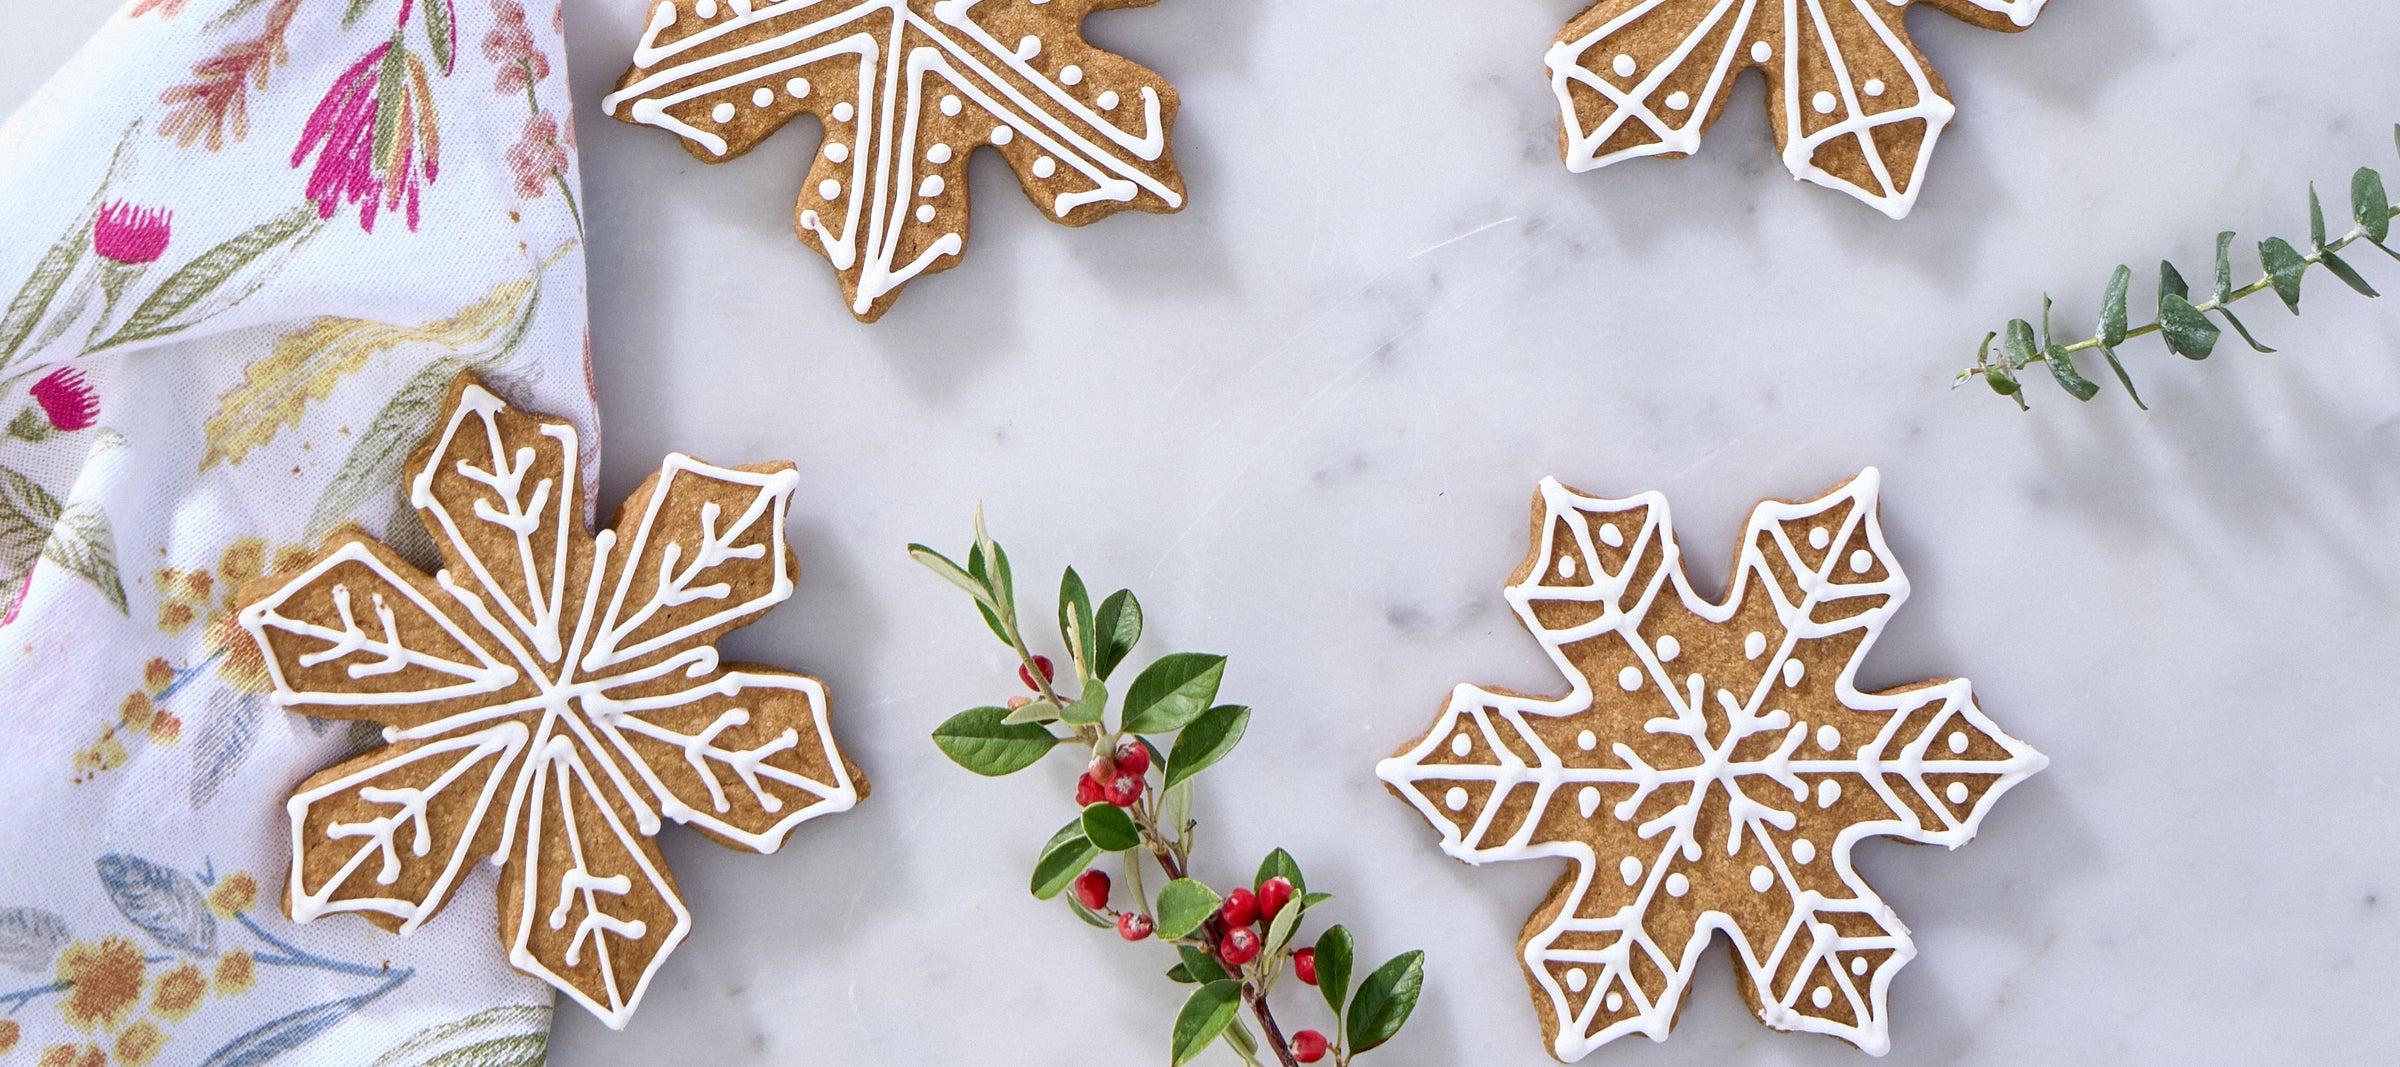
{"x": 104, "y": 983}
{"x": 179, "y": 993}
{"x": 139, "y": 1044}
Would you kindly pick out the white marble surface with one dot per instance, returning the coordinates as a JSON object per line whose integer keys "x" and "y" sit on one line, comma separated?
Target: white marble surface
{"x": 1303, "y": 418}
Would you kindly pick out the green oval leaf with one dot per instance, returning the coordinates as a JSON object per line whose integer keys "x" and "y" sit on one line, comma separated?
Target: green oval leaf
{"x": 2189, "y": 333}
{"x": 984, "y": 741}
{"x": 1110, "y": 828}
{"x": 2370, "y": 205}
{"x": 2112, "y": 307}
{"x": 2285, "y": 267}
{"x": 1204, "y": 1016}
{"x": 1090, "y": 706}
{"x": 1075, "y": 618}
{"x": 2170, "y": 281}
{"x": 1068, "y": 854}
{"x": 2017, "y": 346}
{"x": 1170, "y": 693}
{"x": 1209, "y": 738}
{"x": 2224, "y": 290}
{"x": 1183, "y": 905}
{"x": 2062, "y": 368}
{"x": 1333, "y": 967}
{"x": 1199, "y": 964}
{"x": 1118, "y": 627}
{"x": 1384, "y": 1000}
{"x": 1286, "y": 923}
{"x": 1280, "y": 864}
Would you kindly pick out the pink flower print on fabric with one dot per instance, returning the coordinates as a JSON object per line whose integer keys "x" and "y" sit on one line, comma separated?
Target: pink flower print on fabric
{"x": 68, "y": 401}
{"x": 376, "y": 128}
{"x": 510, "y": 46}
{"x": 132, "y": 235}
{"x": 537, "y": 156}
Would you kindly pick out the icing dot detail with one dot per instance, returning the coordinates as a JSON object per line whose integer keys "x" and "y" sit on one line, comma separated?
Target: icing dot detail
{"x": 1760, "y": 52}
{"x": 1754, "y": 645}
{"x": 1624, "y": 66}
{"x": 796, "y": 88}
{"x": 1455, "y": 799}
{"x": 1957, "y": 792}
{"x": 1858, "y": 965}
{"x": 1958, "y": 742}
{"x": 1678, "y": 885}
{"x": 1616, "y": 1000}
{"x": 1818, "y": 538}
{"x": 1029, "y": 46}
{"x": 939, "y": 153}
{"x": 1461, "y": 745}
{"x": 1828, "y": 791}
{"x": 1678, "y": 100}
{"x": 1821, "y": 997}
{"x": 1861, "y": 561}
{"x": 1108, "y": 100}
{"x": 1576, "y": 979}
{"x": 1669, "y": 648}
{"x": 762, "y": 97}
{"x": 1003, "y": 135}
{"x": 1804, "y": 851}
{"x": 1566, "y": 566}
{"x": 1761, "y": 879}
{"x": 706, "y": 9}
{"x": 829, "y": 189}
{"x": 1828, "y": 738}
{"x": 1629, "y": 679}
{"x": 721, "y": 113}
{"x": 842, "y": 111}
{"x": 951, "y": 105}
{"x": 1629, "y": 869}
{"x": 1611, "y": 536}
{"x": 1792, "y": 671}
{"x": 1070, "y": 75}
{"x": 1588, "y": 799}
{"x": 1823, "y": 102}
{"x": 837, "y": 151}
{"x": 1587, "y": 741}
{"x": 931, "y": 186}
{"x": 1045, "y": 167}
{"x": 924, "y": 212}
{"x": 1874, "y": 87}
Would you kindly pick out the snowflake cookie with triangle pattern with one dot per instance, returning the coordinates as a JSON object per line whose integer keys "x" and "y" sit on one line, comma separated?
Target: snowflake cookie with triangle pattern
{"x": 907, "y": 91}
{"x": 548, "y": 698}
{"x": 1854, "y": 105}
{"x": 1710, "y": 768}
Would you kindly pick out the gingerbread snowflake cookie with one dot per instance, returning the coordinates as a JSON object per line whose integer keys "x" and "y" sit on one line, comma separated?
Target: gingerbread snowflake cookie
{"x": 1854, "y": 105}
{"x": 908, "y": 90}
{"x": 1710, "y": 768}
{"x": 548, "y": 697}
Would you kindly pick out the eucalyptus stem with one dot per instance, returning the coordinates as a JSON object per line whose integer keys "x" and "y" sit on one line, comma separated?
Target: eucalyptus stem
{"x": 2189, "y": 327}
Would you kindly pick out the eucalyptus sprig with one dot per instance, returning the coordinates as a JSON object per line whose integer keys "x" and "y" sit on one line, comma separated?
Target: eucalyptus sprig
{"x": 2186, "y": 325}
{"x": 1136, "y": 802}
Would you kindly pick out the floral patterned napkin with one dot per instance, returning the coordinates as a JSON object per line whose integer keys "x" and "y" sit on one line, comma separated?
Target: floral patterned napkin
{"x": 244, "y": 246}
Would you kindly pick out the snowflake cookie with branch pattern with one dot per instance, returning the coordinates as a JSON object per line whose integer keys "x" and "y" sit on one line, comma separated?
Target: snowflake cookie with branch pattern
{"x": 1855, "y": 106}
{"x": 1710, "y": 769}
{"x": 548, "y": 697}
{"x": 907, "y": 91}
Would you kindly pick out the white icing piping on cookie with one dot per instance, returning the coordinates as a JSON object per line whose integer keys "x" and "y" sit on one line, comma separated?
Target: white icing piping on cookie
{"x": 565, "y": 682}
{"x": 1571, "y": 65}
{"x": 1884, "y": 756}
{"x": 893, "y": 179}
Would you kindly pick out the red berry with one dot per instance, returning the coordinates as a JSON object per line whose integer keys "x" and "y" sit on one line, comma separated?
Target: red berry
{"x": 1240, "y": 946}
{"x": 1047, "y": 673}
{"x": 1091, "y": 887}
{"x": 1126, "y": 789}
{"x": 1089, "y": 792}
{"x": 1102, "y": 769}
{"x": 1241, "y": 908}
{"x": 1272, "y": 896}
{"x": 1133, "y": 925}
{"x": 1133, "y": 757}
{"x": 1308, "y": 1046}
{"x": 1304, "y": 964}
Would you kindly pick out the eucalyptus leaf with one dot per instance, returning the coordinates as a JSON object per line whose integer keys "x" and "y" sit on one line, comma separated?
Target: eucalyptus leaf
{"x": 2017, "y": 344}
{"x": 1173, "y": 691}
{"x": 1183, "y": 905}
{"x": 2285, "y": 269}
{"x": 2370, "y": 205}
{"x": 1208, "y": 739}
{"x": 1334, "y": 947}
{"x": 1068, "y": 854}
{"x": 2349, "y": 277}
{"x": 2113, "y": 309}
{"x": 1118, "y": 627}
{"x": 1110, "y": 828}
{"x": 2316, "y": 219}
{"x": 1203, "y": 1017}
{"x": 2062, "y": 367}
{"x": 2189, "y": 333}
{"x": 2124, "y": 379}
{"x": 983, "y": 740}
{"x": 2224, "y": 289}
{"x": 2243, "y": 330}
{"x": 2170, "y": 281}
{"x": 1385, "y": 1000}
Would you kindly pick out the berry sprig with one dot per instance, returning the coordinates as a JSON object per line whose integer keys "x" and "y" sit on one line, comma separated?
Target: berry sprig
{"x": 2185, "y": 325}
{"x": 1136, "y": 802}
